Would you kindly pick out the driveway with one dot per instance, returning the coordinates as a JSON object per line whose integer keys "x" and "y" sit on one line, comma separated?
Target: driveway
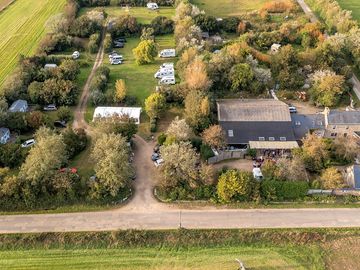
{"x": 240, "y": 164}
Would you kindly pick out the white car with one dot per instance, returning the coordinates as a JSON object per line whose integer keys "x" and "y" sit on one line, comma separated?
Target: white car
{"x": 76, "y": 55}
{"x": 167, "y": 53}
{"x": 50, "y": 107}
{"x": 158, "y": 162}
{"x": 257, "y": 174}
{"x": 28, "y": 143}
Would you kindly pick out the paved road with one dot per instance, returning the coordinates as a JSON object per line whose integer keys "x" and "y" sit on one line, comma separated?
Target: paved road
{"x": 170, "y": 219}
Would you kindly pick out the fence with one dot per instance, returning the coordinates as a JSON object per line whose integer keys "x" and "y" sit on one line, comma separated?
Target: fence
{"x": 336, "y": 192}
{"x": 228, "y": 154}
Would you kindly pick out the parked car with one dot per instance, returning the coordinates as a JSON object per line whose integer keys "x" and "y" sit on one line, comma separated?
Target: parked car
{"x": 152, "y": 6}
{"x": 120, "y": 39}
{"x": 167, "y": 53}
{"x": 257, "y": 174}
{"x": 76, "y": 55}
{"x": 60, "y": 124}
{"x": 158, "y": 162}
{"x": 292, "y": 109}
{"x": 119, "y": 45}
{"x": 28, "y": 143}
{"x": 50, "y": 107}
{"x": 155, "y": 156}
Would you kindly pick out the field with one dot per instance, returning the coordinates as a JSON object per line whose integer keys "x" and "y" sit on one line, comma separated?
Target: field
{"x": 228, "y": 7}
{"x": 142, "y": 14}
{"x": 353, "y": 5}
{"x": 163, "y": 258}
{"x": 22, "y": 26}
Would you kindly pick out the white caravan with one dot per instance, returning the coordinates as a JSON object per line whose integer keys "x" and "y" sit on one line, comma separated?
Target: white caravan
{"x": 167, "y": 65}
{"x": 152, "y": 6}
{"x": 167, "y": 80}
{"x": 116, "y": 60}
{"x": 167, "y": 53}
{"x": 164, "y": 73}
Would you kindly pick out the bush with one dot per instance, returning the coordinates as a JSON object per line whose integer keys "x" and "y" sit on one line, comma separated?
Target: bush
{"x": 94, "y": 41}
{"x": 273, "y": 190}
{"x": 162, "y": 25}
{"x": 161, "y": 139}
{"x": 206, "y": 152}
{"x": 153, "y": 125}
{"x": 64, "y": 114}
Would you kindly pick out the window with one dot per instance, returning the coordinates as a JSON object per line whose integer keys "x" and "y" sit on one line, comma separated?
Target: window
{"x": 230, "y": 133}
{"x": 271, "y": 139}
{"x": 261, "y": 138}
{"x": 297, "y": 123}
{"x": 283, "y": 139}
{"x": 333, "y": 134}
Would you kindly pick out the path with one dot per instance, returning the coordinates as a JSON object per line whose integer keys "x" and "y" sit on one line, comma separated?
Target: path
{"x": 79, "y": 119}
{"x": 308, "y": 11}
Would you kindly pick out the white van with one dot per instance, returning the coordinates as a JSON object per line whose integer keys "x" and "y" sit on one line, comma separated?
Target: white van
{"x": 164, "y": 73}
{"x": 76, "y": 55}
{"x": 116, "y": 60}
{"x": 167, "y": 65}
{"x": 257, "y": 174}
{"x": 152, "y": 6}
{"x": 167, "y": 53}
{"x": 169, "y": 80}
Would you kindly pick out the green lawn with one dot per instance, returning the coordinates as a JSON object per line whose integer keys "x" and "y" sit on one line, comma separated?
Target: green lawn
{"x": 226, "y": 8}
{"x": 139, "y": 80}
{"x": 22, "y": 26}
{"x": 353, "y": 5}
{"x": 289, "y": 257}
{"x": 142, "y": 14}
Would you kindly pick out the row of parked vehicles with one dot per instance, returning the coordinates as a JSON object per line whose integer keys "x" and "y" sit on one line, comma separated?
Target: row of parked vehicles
{"x": 166, "y": 74}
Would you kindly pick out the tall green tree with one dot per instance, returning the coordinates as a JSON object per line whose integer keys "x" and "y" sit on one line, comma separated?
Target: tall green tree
{"x": 145, "y": 52}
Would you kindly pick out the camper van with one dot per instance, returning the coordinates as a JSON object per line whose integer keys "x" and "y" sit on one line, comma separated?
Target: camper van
{"x": 152, "y": 6}
{"x": 164, "y": 73}
{"x": 167, "y": 53}
{"x": 116, "y": 60}
{"x": 167, "y": 66}
{"x": 169, "y": 80}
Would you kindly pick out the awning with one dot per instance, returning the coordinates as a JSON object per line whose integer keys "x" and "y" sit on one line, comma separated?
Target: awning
{"x": 277, "y": 145}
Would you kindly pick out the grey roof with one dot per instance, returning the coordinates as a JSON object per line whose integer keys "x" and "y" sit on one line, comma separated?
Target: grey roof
{"x": 253, "y": 110}
{"x": 307, "y": 123}
{"x": 3, "y": 131}
{"x": 251, "y": 131}
{"x": 344, "y": 117}
{"x": 18, "y": 105}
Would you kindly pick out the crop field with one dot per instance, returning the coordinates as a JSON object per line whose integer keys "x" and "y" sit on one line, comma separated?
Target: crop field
{"x": 226, "y": 8}
{"x": 22, "y": 25}
{"x": 223, "y": 258}
{"x": 142, "y": 14}
{"x": 353, "y": 5}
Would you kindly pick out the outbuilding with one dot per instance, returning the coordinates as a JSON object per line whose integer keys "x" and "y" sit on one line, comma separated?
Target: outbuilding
{"x": 19, "y": 106}
{"x": 108, "y": 112}
{"x": 4, "y": 135}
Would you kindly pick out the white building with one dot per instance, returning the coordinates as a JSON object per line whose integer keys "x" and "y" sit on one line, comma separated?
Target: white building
{"x": 4, "y": 135}
{"x": 107, "y": 112}
{"x": 19, "y": 106}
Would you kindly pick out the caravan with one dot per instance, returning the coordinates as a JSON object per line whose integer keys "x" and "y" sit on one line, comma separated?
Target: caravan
{"x": 116, "y": 60}
{"x": 167, "y": 53}
{"x": 152, "y": 6}
{"x": 169, "y": 80}
{"x": 163, "y": 72}
{"x": 167, "y": 66}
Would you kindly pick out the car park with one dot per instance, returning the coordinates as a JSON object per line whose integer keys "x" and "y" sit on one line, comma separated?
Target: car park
{"x": 28, "y": 143}
{"x": 50, "y": 107}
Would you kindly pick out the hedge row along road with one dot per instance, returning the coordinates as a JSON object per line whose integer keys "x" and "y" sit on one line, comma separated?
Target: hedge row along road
{"x": 22, "y": 26}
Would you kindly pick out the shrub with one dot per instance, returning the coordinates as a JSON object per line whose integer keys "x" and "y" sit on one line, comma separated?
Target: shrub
{"x": 206, "y": 152}
{"x": 161, "y": 138}
{"x": 273, "y": 190}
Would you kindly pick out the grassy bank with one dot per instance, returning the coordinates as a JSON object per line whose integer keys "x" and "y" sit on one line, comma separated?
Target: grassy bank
{"x": 353, "y": 5}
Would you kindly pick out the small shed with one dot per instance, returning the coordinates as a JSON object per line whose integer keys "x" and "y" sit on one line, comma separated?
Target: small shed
{"x": 275, "y": 47}
{"x": 4, "y": 135}
{"x": 19, "y": 106}
{"x": 107, "y": 112}
{"x": 352, "y": 176}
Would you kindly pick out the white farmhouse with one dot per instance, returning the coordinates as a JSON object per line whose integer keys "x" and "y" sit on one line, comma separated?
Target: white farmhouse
{"x": 107, "y": 112}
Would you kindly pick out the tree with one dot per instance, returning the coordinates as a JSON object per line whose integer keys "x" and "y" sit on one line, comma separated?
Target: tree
{"x": 36, "y": 119}
{"x": 234, "y": 185}
{"x": 125, "y": 26}
{"x": 180, "y": 165}
{"x": 188, "y": 56}
{"x": 196, "y": 76}
{"x": 75, "y": 141}
{"x": 291, "y": 169}
{"x": 147, "y": 33}
{"x": 120, "y": 125}
{"x": 327, "y": 88}
{"x": 154, "y": 104}
{"x": 162, "y": 25}
{"x": 331, "y": 178}
{"x": 179, "y": 130}
{"x": 214, "y": 136}
{"x": 120, "y": 91}
{"x": 197, "y": 110}
{"x": 17, "y": 122}
{"x": 206, "y": 23}
{"x": 112, "y": 167}
{"x": 64, "y": 114}
{"x": 347, "y": 148}
{"x": 68, "y": 70}
{"x": 47, "y": 155}
{"x": 145, "y": 52}
{"x": 241, "y": 77}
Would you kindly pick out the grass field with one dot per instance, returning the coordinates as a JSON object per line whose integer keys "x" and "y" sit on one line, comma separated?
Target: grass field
{"x": 353, "y": 5}
{"x": 22, "y": 26}
{"x": 142, "y": 14}
{"x": 163, "y": 258}
{"x": 226, "y": 8}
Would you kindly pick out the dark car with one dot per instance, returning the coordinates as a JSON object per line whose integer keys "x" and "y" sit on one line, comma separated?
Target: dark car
{"x": 119, "y": 45}
{"x": 60, "y": 124}
{"x": 120, "y": 39}
{"x": 155, "y": 156}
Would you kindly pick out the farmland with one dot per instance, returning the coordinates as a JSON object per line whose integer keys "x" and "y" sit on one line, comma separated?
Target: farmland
{"x": 163, "y": 258}
{"x": 22, "y": 35}
{"x": 353, "y": 5}
{"x": 228, "y": 7}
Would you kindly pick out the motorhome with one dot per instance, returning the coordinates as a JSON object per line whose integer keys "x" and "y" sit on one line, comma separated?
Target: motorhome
{"x": 164, "y": 73}
{"x": 167, "y": 65}
{"x": 152, "y": 6}
{"x": 116, "y": 60}
{"x": 167, "y": 53}
{"x": 167, "y": 80}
